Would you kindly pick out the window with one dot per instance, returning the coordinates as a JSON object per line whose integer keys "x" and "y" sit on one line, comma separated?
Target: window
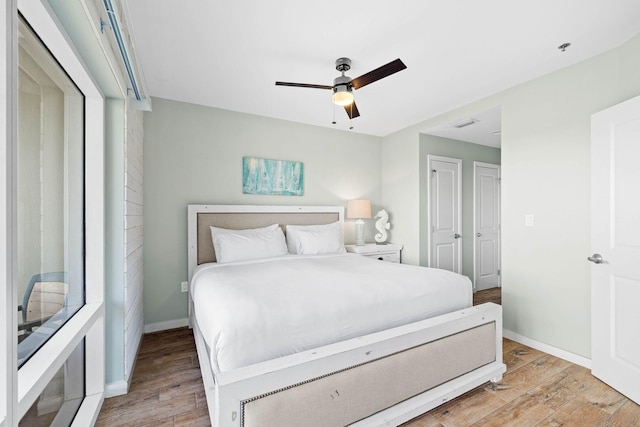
{"x": 53, "y": 196}
{"x": 50, "y": 195}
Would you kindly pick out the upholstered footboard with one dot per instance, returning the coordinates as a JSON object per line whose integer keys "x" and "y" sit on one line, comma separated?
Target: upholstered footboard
{"x": 350, "y": 395}
{"x": 382, "y": 379}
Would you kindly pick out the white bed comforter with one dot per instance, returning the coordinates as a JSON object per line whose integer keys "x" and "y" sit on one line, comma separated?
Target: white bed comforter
{"x": 249, "y": 312}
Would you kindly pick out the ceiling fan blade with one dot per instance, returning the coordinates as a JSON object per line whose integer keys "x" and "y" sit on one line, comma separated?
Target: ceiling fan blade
{"x": 352, "y": 110}
{"x": 312, "y": 86}
{"x": 377, "y": 74}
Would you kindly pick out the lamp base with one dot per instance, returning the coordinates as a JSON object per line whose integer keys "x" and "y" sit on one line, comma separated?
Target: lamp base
{"x": 359, "y": 232}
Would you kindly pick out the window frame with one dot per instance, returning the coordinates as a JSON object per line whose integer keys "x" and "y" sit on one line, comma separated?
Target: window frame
{"x": 21, "y": 388}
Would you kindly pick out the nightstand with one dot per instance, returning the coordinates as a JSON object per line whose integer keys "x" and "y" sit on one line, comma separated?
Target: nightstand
{"x": 389, "y": 252}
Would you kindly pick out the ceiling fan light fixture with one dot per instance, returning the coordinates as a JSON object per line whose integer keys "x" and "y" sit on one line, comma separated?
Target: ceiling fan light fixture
{"x": 342, "y": 95}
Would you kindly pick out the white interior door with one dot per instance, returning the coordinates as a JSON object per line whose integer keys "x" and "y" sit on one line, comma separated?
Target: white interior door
{"x": 615, "y": 244}
{"x": 444, "y": 213}
{"x": 486, "y": 225}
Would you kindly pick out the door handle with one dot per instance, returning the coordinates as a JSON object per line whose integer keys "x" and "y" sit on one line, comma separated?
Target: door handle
{"x": 478, "y": 234}
{"x": 456, "y": 236}
{"x": 596, "y": 259}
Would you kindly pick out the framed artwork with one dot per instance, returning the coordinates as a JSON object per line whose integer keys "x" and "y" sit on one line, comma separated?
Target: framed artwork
{"x": 272, "y": 177}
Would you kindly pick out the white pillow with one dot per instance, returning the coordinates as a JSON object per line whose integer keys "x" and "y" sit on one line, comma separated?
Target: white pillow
{"x": 241, "y": 245}
{"x": 315, "y": 239}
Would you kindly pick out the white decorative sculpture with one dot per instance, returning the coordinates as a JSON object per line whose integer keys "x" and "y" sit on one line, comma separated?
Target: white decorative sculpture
{"x": 382, "y": 225}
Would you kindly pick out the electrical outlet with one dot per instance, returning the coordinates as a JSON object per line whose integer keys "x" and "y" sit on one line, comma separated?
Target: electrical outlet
{"x": 184, "y": 286}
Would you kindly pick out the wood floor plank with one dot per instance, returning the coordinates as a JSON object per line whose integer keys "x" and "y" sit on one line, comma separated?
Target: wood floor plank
{"x": 566, "y": 385}
{"x": 426, "y": 420}
{"x": 151, "y": 348}
{"x": 520, "y": 412}
{"x": 148, "y": 414}
{"x": 576, "y": 413}
{"x": 169, "y": 379}
{"x": 513, "y": 362}
{"x": 519, "y": 381}
{"x": 186, "y": 387}
{"x": 167, "y": 422}
{"x": 196, "y": 418}
{"x": 525, "y": 353}
{"x": 493, "y": 295}
{"x": 201, "y": 399}
{"x": 627, "y": 415}
{"x": 183, "y": 347}
{"x": 462, "y": 412}
{"x": 162, "y": 366}
{"x": 603, "y": 396}
{"x": 131, "y": 400}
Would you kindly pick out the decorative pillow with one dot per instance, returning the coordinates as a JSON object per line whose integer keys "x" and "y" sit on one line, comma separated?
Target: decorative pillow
{"x": 315, "y": 239}
{"x": 242, "y": 245}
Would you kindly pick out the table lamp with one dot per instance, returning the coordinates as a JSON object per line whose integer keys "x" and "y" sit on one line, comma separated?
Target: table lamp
{"x": 359, "y": 209}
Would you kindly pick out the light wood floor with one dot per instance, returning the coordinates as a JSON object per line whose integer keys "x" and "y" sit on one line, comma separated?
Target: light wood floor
{"x": 488, "y": 295}
{"x": 537, "y": 390}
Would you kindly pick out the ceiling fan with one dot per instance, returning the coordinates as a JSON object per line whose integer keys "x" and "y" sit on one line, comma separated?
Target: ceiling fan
{"x": 343, "y": 86}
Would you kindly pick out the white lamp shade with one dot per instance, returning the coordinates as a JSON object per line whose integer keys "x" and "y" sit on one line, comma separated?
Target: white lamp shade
{"x": 358, "y": 209}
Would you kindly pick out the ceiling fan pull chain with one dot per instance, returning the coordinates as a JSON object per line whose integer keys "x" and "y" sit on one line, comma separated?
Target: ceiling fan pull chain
{"x": 350, "y": 117}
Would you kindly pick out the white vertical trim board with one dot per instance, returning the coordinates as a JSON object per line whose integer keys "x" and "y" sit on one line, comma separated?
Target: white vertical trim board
{"x": 549, "y": 349}
{"x": 8, "y": 298}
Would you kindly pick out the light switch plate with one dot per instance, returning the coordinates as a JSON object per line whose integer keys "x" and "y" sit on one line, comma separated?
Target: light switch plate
{"x": 528, "y": 220}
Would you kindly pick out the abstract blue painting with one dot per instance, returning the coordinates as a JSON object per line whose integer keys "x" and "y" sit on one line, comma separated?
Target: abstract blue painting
{"x": 272, "y": 177}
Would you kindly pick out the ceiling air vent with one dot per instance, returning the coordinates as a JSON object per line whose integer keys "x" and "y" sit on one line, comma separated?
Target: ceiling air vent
{"x": 464, "y": 123}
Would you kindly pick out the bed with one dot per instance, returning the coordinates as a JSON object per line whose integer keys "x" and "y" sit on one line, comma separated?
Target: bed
{"x": 383, "y": 366}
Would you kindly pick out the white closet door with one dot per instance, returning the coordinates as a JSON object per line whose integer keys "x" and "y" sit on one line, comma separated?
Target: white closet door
{"x": 486, "y": 218}
{"x": 615, "y": 244}
{"x": 444, "y": 213}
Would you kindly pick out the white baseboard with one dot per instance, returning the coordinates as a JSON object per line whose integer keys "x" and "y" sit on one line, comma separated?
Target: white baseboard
{"x": 116, "y": 389}
{"x": 549, "y": 349}
{"x": 163, "y": 326}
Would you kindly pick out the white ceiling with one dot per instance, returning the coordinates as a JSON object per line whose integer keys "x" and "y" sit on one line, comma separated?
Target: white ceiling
{"x": 228, "y": 54}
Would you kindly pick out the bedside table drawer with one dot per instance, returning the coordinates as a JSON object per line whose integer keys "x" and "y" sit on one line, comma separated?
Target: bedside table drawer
{"x": 389, "y": 252}
{"x": 393, "y": 257}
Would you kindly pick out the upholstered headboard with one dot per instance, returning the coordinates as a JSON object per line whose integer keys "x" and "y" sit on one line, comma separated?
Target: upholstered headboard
{"x": 201, "y": 217}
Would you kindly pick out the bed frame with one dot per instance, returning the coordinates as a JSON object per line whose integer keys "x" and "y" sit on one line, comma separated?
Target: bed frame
{"x": 381, "y": 379}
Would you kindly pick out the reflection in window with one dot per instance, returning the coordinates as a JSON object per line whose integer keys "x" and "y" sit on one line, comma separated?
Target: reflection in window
{"x": 58, "y": 404}
{"x": 50, "y": 233}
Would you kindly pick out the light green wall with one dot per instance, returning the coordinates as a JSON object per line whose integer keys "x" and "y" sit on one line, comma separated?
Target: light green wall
{"x": 468, "y": 153}
{"x": 545, "y": 172}
{"x": 193, "y": 154}
{"x": 400, "y": 192}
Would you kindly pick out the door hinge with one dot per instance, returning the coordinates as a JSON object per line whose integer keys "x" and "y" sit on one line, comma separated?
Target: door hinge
{"x": 498, "y": 272}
